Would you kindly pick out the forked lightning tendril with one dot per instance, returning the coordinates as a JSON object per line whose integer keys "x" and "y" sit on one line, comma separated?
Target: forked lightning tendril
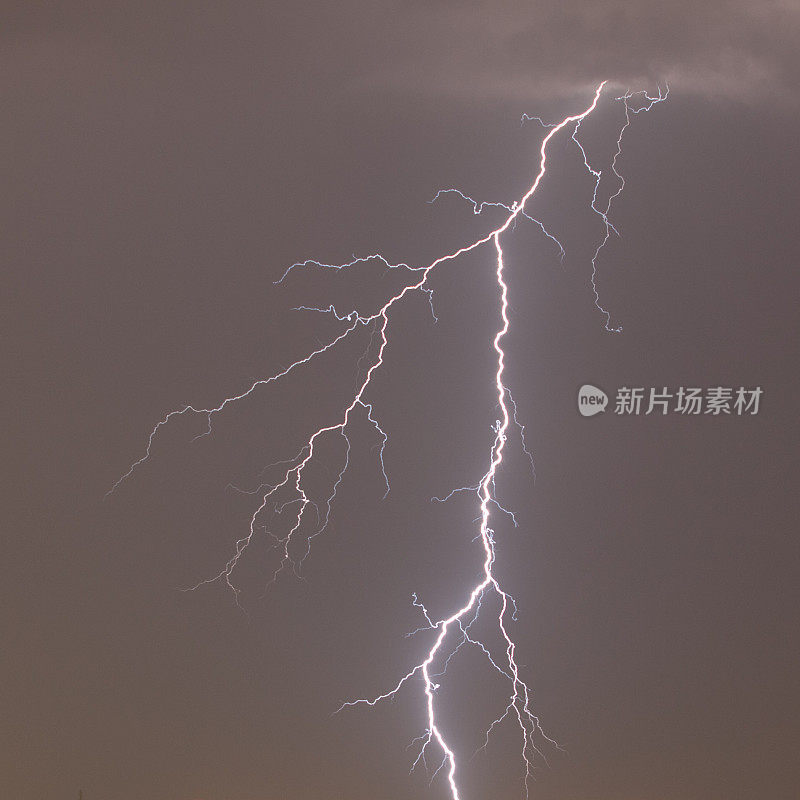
{"x": 453, "y": 632}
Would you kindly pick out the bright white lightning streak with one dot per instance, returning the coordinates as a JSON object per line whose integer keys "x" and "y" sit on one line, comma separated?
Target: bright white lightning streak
{"x": 463, "y": 617}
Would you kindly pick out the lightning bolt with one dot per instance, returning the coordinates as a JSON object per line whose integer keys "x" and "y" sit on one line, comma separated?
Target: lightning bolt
{"x": 452, "y": 632}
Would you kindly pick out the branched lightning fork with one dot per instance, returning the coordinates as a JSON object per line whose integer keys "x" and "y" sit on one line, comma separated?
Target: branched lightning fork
{"x": 452, "y": 632}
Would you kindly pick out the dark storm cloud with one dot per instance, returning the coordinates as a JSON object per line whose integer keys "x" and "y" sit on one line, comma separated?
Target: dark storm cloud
{"x": 524, "y": 49}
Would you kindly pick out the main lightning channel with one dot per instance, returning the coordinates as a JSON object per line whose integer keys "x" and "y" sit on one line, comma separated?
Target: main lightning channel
{"x": 289, "y": 490}
{"x": 519, "y": 699}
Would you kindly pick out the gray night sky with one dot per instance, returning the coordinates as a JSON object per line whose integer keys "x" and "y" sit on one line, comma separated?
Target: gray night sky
{"x": 164, "y": 164}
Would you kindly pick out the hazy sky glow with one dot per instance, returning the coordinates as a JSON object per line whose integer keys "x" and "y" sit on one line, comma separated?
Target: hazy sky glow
{"x": 164, "y": 164}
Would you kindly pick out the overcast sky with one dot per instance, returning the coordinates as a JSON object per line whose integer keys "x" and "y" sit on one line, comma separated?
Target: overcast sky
{"x": 164, "y": 164}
